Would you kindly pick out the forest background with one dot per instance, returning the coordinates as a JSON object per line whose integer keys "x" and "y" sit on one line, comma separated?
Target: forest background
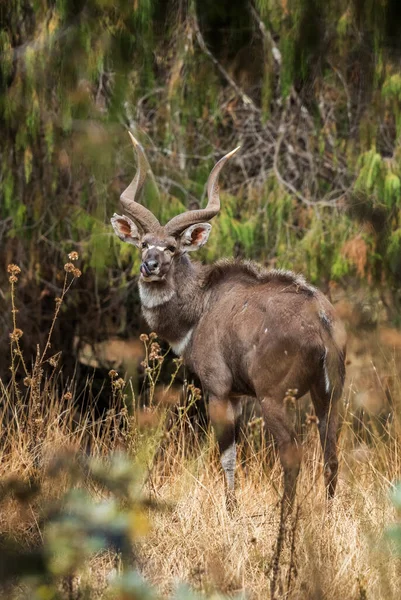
{"x": 310, "y": 90}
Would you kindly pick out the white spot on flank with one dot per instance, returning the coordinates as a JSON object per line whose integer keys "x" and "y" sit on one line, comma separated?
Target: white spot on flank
{"x": 179, "y": 346}
{"x": 266, "y": 330}
{"x": 151, "y": 298}
{"x": 326, "y": 374}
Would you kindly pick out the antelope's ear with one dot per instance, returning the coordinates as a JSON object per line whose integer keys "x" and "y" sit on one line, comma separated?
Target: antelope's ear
{"x": 195, "y": 237}
{"x": 126, "y": 229}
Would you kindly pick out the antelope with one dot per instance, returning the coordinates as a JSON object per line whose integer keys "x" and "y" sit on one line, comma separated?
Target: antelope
{"x": 244, "y": 330}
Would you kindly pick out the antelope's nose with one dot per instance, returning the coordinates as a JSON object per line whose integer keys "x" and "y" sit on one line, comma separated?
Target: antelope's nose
{"x": 151, "y": 265}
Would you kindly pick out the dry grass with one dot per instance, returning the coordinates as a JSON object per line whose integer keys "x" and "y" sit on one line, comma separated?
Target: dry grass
{"x": 339, "y": 550}
{"x": 334, "y": 551}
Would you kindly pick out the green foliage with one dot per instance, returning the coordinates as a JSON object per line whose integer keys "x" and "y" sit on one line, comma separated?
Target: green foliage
{"x": 344, "y": 24}
{"x": 394, "y": 251}
{"x": 370, "y": 174}
{"x": 287, "y": 48}
{"x": 392, "y": 87}
{"x": 392, "y": 189}
{"x": 393, "y": 532}
{"x": 230, "y": 231}
{"x": 391, "y": 92}
{"x": 379, "y": 179}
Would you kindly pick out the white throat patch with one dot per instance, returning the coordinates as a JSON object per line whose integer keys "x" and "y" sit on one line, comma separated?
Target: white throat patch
{"x": 151, "y": 298}
{"x": 179, "y": 346}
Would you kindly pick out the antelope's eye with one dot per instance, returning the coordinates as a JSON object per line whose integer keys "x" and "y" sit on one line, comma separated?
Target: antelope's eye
{"x": 144, "y": 245}
{"x": 171, "y": 249}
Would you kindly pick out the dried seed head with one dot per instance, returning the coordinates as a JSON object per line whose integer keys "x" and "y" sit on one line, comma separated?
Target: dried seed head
{"x": 154, "y": 351}
{"x": 58, "y": 300}
{"x": 196, "y": 392}
{"x": 110, "y": 413}
{"x": 67, "y": 396}
{"x": 113, "y": 374}
{"x": 77, "y": 273}
{"x": 13, "y": 279}
{"x": 152, "y": 335}
{"x": 27, "y": 381}
{"x": 53, "y": 360}
{"x": 256, "y": 422}
{"x": 312, "y": 419}
{"x": 16, "y": 334}
{"x": 13, "y": 269}
{"x": 118, "y": 384}
{"x": 69, "y": 267}
{"x": 143, "y": 337}
{"x": 73, "y": 255}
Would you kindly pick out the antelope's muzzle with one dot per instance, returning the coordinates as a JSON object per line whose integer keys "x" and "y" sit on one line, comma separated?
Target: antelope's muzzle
{"x": 148, "y": 267}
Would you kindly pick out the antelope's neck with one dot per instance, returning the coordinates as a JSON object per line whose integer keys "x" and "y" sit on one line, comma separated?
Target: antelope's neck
{"x": 173, "y": 307}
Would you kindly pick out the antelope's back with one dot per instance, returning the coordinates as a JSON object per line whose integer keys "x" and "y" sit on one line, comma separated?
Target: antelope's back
{"x": 265, "y": 328}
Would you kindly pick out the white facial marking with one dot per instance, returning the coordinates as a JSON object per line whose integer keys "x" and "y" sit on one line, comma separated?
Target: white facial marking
{"x": 326, "y": 374}
{"x": 179, "y": 346}
{"x": 161, "y": 248}
{"x": 151, "y": 298}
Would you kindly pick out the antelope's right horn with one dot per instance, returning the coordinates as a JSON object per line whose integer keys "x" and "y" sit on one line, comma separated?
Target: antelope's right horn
{"x": 138, "y": 212}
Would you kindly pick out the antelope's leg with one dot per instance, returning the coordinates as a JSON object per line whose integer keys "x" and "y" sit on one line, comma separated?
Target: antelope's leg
{"x": 224, "y": 415}
{"x": 285, "y": 438}
{"x": 327, "y": 414}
